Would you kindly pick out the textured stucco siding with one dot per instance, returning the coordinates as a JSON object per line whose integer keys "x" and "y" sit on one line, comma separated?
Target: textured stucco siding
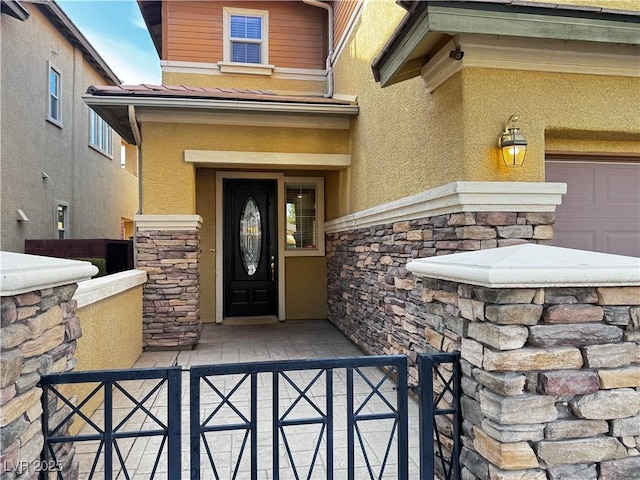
{"x": 98, "y": 191}
{"x": 111, "y": 338}
{"x": 403, "y": 132}
{"x": 407, "y": 140}
{"x": 169, "y": 183}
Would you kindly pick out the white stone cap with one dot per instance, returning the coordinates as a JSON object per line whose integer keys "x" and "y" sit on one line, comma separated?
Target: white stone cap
{"x": 531, "y": 265}
{"x": 20, "y": 273}
{"x": 458, "y": 197}
{"x": 168, "y": 222}
{"x": 96, "y": 289}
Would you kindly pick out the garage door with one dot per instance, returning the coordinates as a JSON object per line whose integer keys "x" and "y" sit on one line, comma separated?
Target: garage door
{"x": 601, "y": 210}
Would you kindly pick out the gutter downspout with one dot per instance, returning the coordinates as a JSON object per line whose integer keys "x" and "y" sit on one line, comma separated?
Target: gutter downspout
{"x": 328, "y": 65}
{"x": 131, "y": 110}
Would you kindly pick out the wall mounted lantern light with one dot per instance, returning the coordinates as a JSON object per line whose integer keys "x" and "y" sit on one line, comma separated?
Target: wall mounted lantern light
{"x": 513, "y": 144}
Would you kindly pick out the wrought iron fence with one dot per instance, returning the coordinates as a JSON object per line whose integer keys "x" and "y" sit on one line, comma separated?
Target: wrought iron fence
{"x": 440, "y": 415}
{"x": 155, "y": 416}
{"x": 311, "y": 389}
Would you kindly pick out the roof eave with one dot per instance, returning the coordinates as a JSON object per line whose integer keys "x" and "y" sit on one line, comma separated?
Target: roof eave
{"x": 14, "y": 9}
{"x": 114, "y": 109}
{"x": 63, "y": 23}
{"x": 420, "y": 34}
{"x": 148, "y": 9}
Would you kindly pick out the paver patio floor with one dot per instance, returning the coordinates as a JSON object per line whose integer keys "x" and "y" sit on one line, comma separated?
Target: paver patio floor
{"x": 222, "y": 344}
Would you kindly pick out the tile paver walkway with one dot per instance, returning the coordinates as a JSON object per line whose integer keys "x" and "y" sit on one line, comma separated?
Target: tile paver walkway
{"x": 222, "y": 344}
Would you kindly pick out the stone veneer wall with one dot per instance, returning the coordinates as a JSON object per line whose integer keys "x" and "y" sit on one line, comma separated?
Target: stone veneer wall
{"x": 38, "y": 337}
{"x": 171, "y": 296}
{"x": 380, "y": 306}
{"x": 551, "y": 380}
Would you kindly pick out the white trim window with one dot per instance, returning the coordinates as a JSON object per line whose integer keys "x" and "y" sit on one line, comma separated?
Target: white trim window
{"x": 100, "y": 134}
{"x": 62, "y": 220}
{"x": 54, "y": 104}
{"x": 304, "y": 213}
{"x": 246, "y": 36}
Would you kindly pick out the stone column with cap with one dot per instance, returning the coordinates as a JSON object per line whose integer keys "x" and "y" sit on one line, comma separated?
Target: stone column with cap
{"x": 168, "y": 249}
{"x": 550, "y": 348}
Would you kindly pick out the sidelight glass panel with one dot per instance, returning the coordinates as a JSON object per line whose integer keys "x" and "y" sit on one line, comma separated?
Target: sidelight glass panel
{"x": 250, "y": 235}
{"x": 301, "y": 216}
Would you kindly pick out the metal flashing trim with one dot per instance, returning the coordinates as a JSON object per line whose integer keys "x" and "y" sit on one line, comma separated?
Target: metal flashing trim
{"x": 167, "y": 222}
{"x": 457, "y": 197}
{"x": 531, "y": 266}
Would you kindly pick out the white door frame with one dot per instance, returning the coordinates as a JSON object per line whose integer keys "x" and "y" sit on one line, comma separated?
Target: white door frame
{"x": 279, "y": 177}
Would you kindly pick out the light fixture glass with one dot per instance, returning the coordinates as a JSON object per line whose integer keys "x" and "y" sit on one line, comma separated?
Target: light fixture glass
{"x": 513, "y": 144}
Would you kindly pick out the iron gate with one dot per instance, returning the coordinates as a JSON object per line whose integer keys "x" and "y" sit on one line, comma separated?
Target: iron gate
{"x": 326, "y": 418}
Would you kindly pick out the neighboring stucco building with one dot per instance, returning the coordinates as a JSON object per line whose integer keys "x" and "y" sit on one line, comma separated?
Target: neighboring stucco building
{"x": 270, "y": 131}
{"x": 62, "y": 175}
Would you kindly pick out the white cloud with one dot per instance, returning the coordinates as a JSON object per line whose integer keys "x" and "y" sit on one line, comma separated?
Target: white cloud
{"x": 136, "y": 17}
{"x": 130, "y": 63}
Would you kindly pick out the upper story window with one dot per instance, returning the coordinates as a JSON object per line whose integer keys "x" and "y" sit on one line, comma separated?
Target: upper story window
{"x": 100, "y": 134}
{"x": 246, "y": 36}
{"x": 54, "y": 109}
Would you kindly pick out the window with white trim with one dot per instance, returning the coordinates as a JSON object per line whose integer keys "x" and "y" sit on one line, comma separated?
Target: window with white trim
{"x": 100, "y": 134}
{"x": 304, "y": 213}
{"x": 54, "y": 108}
{"x": 246, "y": 36}
{"x": 62, "y": 220}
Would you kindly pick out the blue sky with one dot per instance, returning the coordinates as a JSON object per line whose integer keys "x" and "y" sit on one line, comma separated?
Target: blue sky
{"x": 117, "y": 31}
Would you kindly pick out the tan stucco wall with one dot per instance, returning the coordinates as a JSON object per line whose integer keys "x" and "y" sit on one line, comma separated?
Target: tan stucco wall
{"x": 206, "y": 208}
{"x": 111, "y": 338}
{"x": 401, "y": 141}
{"x": 306, "y": 287}
{"x": 98, "y": 191}
{"x": 169, "y": 185}
{"x": 407, "y": 140}
{"x": 579, "y": 112}
{"x": 261, "y": 82}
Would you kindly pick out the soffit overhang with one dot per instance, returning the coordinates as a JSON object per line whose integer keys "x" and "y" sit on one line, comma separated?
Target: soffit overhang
{"x": 151, "y": 11}
{"x": 430, "y": 25}
{"x": 74, "y": 36}
{"x": 116, "y": 111}
{"x": 14, "y": 9}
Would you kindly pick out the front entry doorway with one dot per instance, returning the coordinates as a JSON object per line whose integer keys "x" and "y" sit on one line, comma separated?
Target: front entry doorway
{"x": 250, "y": 247}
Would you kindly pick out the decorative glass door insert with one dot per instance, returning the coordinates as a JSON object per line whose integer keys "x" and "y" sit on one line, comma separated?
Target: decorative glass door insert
{"x": 250, "y": 235}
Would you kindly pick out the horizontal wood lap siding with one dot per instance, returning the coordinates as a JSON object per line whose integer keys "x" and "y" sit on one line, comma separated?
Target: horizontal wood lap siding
{"x": 194, "y": 32}
{"x": 343, "y": 9}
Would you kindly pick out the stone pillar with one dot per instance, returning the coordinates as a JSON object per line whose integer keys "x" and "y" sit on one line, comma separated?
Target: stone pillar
{"x": 550, "y": 348}
{"x": 168, "y": 249}
{"x": 38, "y": 334}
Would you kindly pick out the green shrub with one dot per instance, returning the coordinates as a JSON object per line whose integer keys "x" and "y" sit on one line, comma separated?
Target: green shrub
{"x": 101, "y": 263}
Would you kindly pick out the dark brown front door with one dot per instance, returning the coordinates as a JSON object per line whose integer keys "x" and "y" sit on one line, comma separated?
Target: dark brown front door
{"x": 250, "y": 248}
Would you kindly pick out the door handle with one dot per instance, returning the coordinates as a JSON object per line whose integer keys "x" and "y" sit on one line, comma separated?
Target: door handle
{"x": 273, "y": 268}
